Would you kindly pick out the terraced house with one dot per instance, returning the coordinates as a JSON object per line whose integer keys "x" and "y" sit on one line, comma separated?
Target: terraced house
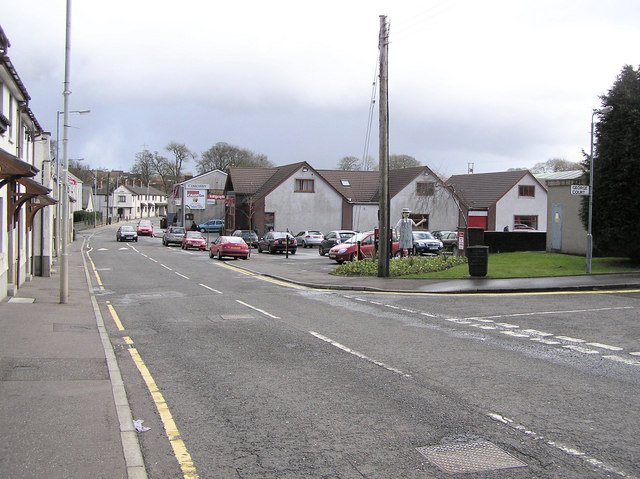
{"x": 26, "y": 215}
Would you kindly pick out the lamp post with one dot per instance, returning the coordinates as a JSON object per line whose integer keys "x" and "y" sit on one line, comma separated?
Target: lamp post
{"x": 601, "y": 111}
{"x": 58, "y": 192}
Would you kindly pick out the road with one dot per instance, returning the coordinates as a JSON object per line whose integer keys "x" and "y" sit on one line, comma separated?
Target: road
{"x": 261, "y": 378}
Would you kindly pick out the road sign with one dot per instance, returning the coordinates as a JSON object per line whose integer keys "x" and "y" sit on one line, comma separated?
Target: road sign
{"x": 579, "y": 189}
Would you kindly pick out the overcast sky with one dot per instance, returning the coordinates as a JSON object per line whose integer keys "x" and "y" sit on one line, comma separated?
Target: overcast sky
{"x": 497, "y": 83}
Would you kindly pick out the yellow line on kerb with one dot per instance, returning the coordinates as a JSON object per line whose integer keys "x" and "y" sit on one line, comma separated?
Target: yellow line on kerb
{"x": 179, "y": 449}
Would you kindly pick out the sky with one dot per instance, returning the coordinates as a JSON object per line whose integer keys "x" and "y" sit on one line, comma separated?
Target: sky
{"x": 496, "y": 84}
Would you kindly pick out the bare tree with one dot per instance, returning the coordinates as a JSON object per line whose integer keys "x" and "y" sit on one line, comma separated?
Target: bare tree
{"x": 349, "y": 163}
{"x": 555, "y": 164}
{"x": 143, "y": 166}
{"x": 181, "y": 154}
{"x": 162, "y": 167}
{"x": 222, "y": 156}
{"x": 397, "y": 162}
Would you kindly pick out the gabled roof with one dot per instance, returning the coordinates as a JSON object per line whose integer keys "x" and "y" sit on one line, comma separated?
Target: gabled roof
{"x": 258, "y": 182}
{"x": 482, "y": 190}
{"x": 144, "y": 190}
{"x": 355, "y": 186}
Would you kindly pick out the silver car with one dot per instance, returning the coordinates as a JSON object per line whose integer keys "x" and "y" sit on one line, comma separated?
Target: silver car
{"x": 174, "y": 234}
{"x": 309, "y": 238}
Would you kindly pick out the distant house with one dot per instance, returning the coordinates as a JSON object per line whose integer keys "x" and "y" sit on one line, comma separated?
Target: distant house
{"x": 502, "y": 200}
{"x": 296, "y": 197}
{"x": 128, "y": 202}
{"x": 203, "y": 197}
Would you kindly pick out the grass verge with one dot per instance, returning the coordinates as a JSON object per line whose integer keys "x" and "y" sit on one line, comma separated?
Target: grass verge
{"x": 501, "y": 265}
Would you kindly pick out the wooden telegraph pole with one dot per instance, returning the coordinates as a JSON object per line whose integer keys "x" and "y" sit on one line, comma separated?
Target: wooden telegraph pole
{"x": 384, "y": 248}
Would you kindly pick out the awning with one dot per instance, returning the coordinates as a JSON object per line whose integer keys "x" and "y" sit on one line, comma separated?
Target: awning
{"x": 12, "y": 169}
{"x": 17, "y": 199}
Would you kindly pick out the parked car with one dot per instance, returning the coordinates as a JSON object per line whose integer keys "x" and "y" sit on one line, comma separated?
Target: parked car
{"x": 250, "y": 237}
{"x": 173, "y": 235}
{"x": 424, "y": 243}
{"x": 449, "y": 240}
{"x": 333, "y": 238}
{"x": 211, "y": 226}
{"x": 348, "y": 251}
{"x": 194, "y": 239}
{"x": 309, "y": 238}
{"x": 523, "y": 227}
{"x": 232, "y": 246}
{"x": 275, "y": 241}
{"x": 126, "y": 233}
{"x": 145, "y": 228}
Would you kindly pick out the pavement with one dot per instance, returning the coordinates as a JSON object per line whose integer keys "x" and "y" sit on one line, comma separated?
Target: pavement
{"x": 63, "y": 408}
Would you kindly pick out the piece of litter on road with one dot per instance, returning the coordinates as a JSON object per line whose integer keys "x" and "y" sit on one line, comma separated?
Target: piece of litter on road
{"x": 137, "y": 423}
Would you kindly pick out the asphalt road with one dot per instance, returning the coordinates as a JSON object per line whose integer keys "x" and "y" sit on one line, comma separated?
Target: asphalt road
{"x": 269, "y": 380}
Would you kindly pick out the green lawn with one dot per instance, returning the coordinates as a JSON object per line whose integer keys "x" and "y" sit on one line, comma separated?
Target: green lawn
{"x": 501, "y": 265}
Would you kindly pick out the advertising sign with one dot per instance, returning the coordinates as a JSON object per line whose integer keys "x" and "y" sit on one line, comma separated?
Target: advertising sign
{"x": 196, "y": 199}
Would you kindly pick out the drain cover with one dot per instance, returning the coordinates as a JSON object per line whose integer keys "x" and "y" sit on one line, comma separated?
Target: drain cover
{"x": 22, "y": 300}
{"x": 469, "y": 457}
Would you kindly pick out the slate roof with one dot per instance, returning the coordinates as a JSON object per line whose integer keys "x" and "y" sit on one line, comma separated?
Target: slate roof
{"x": 356, "y": 186}
{"x": 143, "y": 190}
{"x": 482, "y": 190}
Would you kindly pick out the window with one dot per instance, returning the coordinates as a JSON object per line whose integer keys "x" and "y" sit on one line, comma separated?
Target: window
{"x": 528, "y": 191}
{"x": 425, "y": 189}
{"x": 345, "y": 183}
{"x": 418, "y": 217}
{"x": 523, "y": 222}
{"x": 304, "y": 186}
{"x": 122, "y": 199}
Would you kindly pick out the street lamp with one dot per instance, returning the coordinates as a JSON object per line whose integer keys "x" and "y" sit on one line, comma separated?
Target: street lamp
{"x": 58, "y": 193}
{"x": 601, "y": 111}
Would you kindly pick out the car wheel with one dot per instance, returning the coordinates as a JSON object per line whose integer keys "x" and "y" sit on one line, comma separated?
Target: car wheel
{"x": 321, "y": 251}
{"x": 202, "y": 230}
{"x": 454, "y": 250}
{"x": 259, "y": 249}
{"x": 271, "y": 250}
{"x": 415, "y": 251}
{"x": 292, "y": 252}
{"x": 219, "y": 255}
{"x": 210, "y": 254}
{"x": 304, "y": 245}
{"x": 244, "y": 257}
{"x": 398, "y": 254}
{"x": 339, "y": 262}
{"x": 353, "y": 257}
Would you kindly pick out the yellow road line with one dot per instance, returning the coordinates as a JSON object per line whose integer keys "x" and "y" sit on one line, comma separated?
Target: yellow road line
{"x": 115, "y": 317}
{"x": 177, "y": 444}
{"x": 95, "y": 272}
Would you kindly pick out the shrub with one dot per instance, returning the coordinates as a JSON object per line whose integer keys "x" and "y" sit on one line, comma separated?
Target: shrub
{"x": 400, "y": 266}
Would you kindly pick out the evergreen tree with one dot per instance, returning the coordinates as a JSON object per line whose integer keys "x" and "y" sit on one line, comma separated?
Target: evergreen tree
{"x": 616, "y": 194}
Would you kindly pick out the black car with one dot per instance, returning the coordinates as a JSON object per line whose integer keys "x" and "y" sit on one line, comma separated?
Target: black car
{"x": 449, "y": 240}
{"x": 126, "y": 233}
{"x": 275, "y": 241}
{"x": 250, "y": 237}
{"x": 424, "y": 243}
{"x": 333, "y": 238}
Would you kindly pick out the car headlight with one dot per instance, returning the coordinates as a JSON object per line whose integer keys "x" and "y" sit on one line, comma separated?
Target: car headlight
{"x": 342, "y": 250}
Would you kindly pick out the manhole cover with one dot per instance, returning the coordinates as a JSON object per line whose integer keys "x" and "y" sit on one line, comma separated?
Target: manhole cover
{"x": 469, "y": 457}
{"x": 22, "y": 300}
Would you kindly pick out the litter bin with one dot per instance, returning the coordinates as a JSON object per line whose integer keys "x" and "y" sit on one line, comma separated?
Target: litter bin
{"x": 478, "y": 260}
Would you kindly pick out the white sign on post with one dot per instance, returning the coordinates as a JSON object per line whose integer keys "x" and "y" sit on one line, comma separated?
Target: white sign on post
{"x": 579, "y": 189}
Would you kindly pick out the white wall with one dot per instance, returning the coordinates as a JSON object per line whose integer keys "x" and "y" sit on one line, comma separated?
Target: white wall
{"x": 511, "y": 204}
{"x": 320, "y": 210}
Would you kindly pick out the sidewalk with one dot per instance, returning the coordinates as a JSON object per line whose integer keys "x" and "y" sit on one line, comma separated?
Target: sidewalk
{"x": 63, "y": 411}
{"x": 58, "y": 415}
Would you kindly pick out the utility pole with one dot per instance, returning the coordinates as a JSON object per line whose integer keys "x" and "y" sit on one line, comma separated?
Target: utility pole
{"x": 64, "y": 259}
{"x": 384, "y": 238}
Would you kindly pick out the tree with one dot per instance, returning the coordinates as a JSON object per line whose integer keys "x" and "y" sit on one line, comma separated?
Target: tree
{"x": 397, "y": 162}
{"x": 161, "y": 167}
{"x": 349, "y": 163}
{"x": 143, "y": 166}
{"x": 555, "y": 164}
{"x": 181, "y": 155}
{"x": 222, "y": 156}
{"x": 616, "y": 196}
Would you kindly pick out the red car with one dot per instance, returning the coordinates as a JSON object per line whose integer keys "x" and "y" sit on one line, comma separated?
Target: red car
{"x": 232, "y": 246}
{"x": 194, "y": 239}
{"x": 145, "y": 228}
{"x": 347, "y": 251}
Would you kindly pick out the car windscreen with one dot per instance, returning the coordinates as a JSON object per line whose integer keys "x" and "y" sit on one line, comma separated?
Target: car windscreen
{"x": 179, "y": 231}
{"x": 127, "y": 228}
{"x": 358, "y": 237}
{"x": 346, "y": 236}
{"x": 234, "y": 239}
{"x": 422, "y": 235}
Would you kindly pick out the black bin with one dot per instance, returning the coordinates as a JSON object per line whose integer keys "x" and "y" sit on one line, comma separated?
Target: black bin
{"x": 478, "y": 260}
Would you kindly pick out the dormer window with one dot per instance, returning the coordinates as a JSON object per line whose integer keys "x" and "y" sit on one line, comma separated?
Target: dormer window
{"x": 345, "y": 183}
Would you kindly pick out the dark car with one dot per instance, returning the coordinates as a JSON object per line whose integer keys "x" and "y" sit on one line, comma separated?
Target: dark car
{"x": 275, "y": 241}
{"x": 126, "y": 233}
{"x": 449, "y": 240}
{"x": 425, "y": 243}
{"x": 333, "y": 238}
{"x": 250, "y": 237}
{"x": 173, "y": 235}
